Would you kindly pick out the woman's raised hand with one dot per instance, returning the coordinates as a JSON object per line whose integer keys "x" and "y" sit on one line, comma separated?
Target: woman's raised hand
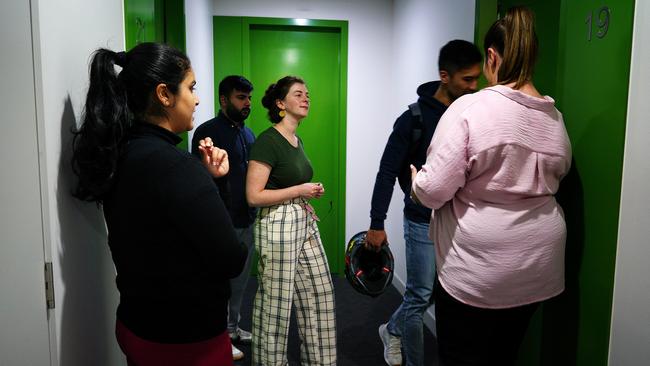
{"x": 311, "y": 190}
{"x": 214, "y": 158}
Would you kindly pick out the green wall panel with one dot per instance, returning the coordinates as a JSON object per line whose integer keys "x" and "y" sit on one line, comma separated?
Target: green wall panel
{"x": 142, "y": 23}
{"x": 484, "y": 16}
{"x": 174, "y": 23}
{"x": 172, "y": 18}
{"x": 227, "y": 50}
{"x": 156, "y": 21}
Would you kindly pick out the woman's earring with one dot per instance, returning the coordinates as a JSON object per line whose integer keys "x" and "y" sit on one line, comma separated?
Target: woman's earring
{"x": 282, "y": 113}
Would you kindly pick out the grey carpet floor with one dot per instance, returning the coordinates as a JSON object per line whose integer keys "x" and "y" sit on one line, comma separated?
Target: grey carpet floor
{"x": 358, "y": 318}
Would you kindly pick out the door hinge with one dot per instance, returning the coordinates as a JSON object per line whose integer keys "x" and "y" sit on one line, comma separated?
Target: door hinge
{"x": 49, "y": 285}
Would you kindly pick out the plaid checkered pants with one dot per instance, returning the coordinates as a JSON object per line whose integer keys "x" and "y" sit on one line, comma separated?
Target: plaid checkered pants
{"x": 292, "y": 270}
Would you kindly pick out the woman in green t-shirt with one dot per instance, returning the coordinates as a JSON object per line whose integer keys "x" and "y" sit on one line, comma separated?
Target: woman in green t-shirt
{"x": 292, "y": 263}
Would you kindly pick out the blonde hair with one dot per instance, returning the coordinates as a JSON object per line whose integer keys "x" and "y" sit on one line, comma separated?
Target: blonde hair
{"x": 514, "y": 38}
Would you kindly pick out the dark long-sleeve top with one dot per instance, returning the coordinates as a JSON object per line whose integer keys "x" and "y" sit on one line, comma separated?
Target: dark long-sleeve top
{"x": 237, "y": 140}
{"x": 397, "y": 157}
{"x": 171, "y": 239}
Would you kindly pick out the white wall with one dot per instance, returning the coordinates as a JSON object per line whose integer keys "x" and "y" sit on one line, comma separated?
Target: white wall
{"x": 86, "y": 297}
{"x": 26, "y": 335}
{"x": 393, "y": 47}
{"x": 420, "y": 29}
{"x": 199, "y": 47}
{"x": 630, "y": 332}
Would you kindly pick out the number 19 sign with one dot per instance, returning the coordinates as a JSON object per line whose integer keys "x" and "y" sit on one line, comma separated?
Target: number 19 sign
{"x": 601, "y": 22}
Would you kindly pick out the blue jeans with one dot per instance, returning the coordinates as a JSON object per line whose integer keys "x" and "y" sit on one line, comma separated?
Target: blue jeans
{"x": 238, "y": 284}
{"x": 406, "y": 321}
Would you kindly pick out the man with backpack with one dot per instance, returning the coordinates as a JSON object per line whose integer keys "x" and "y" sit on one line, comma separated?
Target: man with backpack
{"x": 459, "y": 65}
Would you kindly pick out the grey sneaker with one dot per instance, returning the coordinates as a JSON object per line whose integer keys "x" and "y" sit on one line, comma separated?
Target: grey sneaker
{"x": 392, "y": 346}
{"x": 241, "y": 336}
{"x": 237, "y": 354}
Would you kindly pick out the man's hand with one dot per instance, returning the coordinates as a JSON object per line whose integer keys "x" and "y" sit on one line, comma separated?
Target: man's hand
{"x": 414, "y": 173}
{"x": 375, "y": 239}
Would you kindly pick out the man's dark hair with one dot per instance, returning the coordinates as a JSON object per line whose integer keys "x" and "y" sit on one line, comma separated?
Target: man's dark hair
{"x": 232, "y": 83}
{"x": 457, "y": 55}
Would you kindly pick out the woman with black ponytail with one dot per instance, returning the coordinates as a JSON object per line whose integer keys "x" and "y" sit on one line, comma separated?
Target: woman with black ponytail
{"x": 170, "y": 236}
{"x": 292, "y": 265}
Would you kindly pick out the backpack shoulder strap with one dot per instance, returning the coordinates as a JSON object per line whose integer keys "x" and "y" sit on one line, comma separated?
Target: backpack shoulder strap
{"x": 416, "y": 132}
{"x": 415, "y": 110}
{"x": 417, "y": 124}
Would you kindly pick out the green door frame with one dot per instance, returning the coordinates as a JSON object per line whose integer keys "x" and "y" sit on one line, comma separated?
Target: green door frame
{"x": 239, "y": 59}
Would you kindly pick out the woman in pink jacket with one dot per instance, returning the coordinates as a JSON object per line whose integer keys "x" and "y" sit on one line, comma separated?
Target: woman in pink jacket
{"x": 493, "y": 167}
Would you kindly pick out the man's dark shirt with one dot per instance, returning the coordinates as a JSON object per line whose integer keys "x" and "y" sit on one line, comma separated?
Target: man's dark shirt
{"x": 237, "y": 141}
{"x": 397, "y": 157}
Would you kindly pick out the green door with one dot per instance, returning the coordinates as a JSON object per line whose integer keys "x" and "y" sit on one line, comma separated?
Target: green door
{"x": 156, "y": 21}
{"x": 142, "y": 22}
{"x": 314, "y": 51}
{"x": 584, "y": 62}
{"x": 594, "y": 48}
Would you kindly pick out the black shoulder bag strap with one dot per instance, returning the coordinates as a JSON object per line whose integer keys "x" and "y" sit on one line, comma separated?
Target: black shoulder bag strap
{"x": 418, "y": 124}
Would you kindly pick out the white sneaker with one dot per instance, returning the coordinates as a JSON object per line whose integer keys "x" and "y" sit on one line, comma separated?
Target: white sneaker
{"x": 237, "y": 354}
{"x": 392, "y": 346}
{"x": 240, "y": 335}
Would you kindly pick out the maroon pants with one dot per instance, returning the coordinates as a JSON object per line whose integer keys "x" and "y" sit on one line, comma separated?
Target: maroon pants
{"x": 141, "y": 352}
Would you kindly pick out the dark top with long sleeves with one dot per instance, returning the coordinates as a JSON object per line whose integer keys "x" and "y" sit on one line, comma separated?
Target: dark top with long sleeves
{"x": 237, "y": 141}
{"x": 172, "y": 241}
{"x": 398, "y": 156}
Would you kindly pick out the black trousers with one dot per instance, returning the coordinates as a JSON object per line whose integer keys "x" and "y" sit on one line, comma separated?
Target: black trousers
{"x": 468, "y": 335}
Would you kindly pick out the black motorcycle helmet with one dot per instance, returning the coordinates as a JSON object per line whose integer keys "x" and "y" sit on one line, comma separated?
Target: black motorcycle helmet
{"x": 369, "y": 272}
